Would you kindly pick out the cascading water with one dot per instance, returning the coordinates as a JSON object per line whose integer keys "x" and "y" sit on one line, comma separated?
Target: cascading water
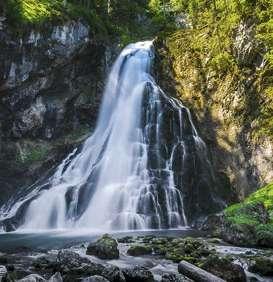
{"x": 135, "y": 169}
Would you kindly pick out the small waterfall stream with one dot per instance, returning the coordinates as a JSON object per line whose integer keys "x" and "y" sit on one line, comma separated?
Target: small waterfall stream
{"x": 136, "y": 170}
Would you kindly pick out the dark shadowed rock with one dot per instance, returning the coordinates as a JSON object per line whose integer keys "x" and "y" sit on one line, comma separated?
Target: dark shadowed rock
{"x": 126, "y": 240}
{"x": 95, "y": 278}
{"x": 71, "y": 259}
{"x": 72, "y": 264}
{"x": 172, "y": 277}
{"x": 113, "y": 273}
{"x": 57, "y": 277}
{"x": 46, "y": 262}
{"x": 138, "y": 274}
{"x": 262, "y": 266}
{"x": 105, "y": 248}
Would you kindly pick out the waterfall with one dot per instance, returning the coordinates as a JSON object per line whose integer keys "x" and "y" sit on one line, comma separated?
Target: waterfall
{"x": 133, "y": 172}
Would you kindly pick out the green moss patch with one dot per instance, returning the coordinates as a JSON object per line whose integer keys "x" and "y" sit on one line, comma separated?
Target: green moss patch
{"x": 253, "y": 218}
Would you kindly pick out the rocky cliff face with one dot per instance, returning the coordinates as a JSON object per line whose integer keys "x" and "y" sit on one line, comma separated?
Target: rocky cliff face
{"x": 51, "y": 82}
{"x": 226, "y": 107}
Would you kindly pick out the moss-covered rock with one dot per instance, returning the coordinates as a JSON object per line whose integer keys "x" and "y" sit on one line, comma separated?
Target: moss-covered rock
{"x": 262, "y": 266}
{"x": 126, "y": 240}
{"x": 105, "y": 248}
{"x": 188, "y": 249}
{"x": 224, "y": 268}
{"x": 250, "y": 222}
{"x": 139, "y": 250}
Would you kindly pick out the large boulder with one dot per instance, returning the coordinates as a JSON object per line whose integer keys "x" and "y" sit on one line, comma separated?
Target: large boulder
{"x": 73, "y": 266}
{"x": 224, "y": 268}
{"x": 188, "y": 249}
{"x": 104, "y": 248}
{"x": 262, "y": 266}
{"x": 69, "y": 260}
{"x": 243, "y": 224}
{"x": 139, "y": 250}
{"x": 113, "y": 273}
{"x": 46, "y": 262}
{"x": 196, "y": 273}
{"x": 138, "y": 274}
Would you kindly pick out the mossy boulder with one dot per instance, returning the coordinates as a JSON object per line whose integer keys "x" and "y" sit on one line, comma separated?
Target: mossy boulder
{"x": 188, "y": 249}
{"x": 262, "y": 266}
{"x": 104, "y": 248}
{"x": 139, "y": 250}
{"x": 224, "y": 268}
{"x": 126, "y": 240}
{"x": 250, "y": 223}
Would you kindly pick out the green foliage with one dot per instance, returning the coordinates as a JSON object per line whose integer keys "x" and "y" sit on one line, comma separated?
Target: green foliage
{"x": 156, "y": 6}
{"x": 264, "y": 195}
{"x": 246, "y": 210}
{"x": 209, "y": 44}
{"x": 243, "y": 214}
{"x": 107, "y": 19}
{"x": 31, "y": 154}
{"x": 33, "y": 11}
{"x": 222, "y": 62}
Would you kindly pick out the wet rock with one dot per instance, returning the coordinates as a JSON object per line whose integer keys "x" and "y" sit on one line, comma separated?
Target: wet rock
{"x": 214, "y": 241}
{"x": 172, "y": 277}
{"x": 45, "y": 262}
{"x": 224, "y": 268}
{"x": 188, "y": 249}
{"x": 105, "y": 248}
{"x": 139, "y": 250}
{"x": 148, "y": 238}
{"x": 71, "y": 259}
{"x": 262, "y": 266}
{"x": 126, "y": 240}
{"x": 138, "y": 274}
{"x": 72, "y": 264}
{"x": 3, "y": 273}
{"x": 95, "y": 278}
{"x": 57, "y": 277}
{"x": 33, "y": 278}
{"x": 113, "y": 274}
{"x": 196, "y": 273}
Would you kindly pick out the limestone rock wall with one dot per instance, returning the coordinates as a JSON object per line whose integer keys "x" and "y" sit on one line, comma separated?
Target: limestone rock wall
{"x": 51, "y": 81}
{"x": 225, "y": 108}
